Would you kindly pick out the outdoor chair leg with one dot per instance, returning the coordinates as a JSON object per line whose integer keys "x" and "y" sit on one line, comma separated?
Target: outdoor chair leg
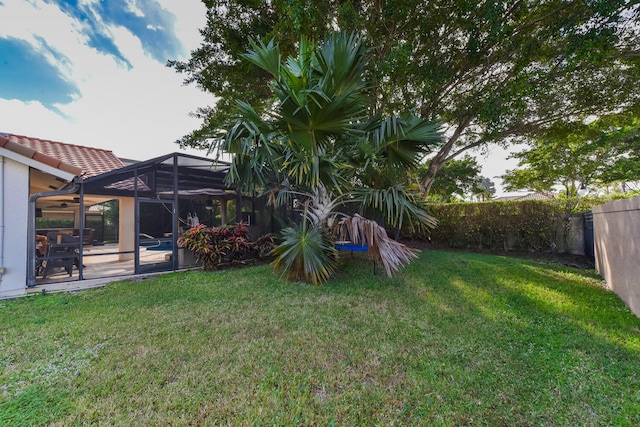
{"x": 39, "y": 268}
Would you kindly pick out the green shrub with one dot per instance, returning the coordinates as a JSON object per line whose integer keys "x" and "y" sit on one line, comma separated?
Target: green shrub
{"x": 54, "y": 223}
{"x": 530, "y": 225}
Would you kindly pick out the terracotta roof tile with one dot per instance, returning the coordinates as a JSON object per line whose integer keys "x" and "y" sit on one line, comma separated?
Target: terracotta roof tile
{"x": 20, "y": 149}
{"x": 530, "y": 196}
{"x": 25, "y": 150}
{"x": 91, "y": 161}
{"x": 47, "y": 160}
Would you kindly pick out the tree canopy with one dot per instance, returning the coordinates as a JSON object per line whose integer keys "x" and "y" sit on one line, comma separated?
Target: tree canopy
{"x": 493, "y": 71}
{"x": 602, "y": 152}
{"x": 457, "y": 179}
{"x": 485, "y": 189}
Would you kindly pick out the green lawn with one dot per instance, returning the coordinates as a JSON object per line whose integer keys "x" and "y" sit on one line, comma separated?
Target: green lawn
{"x": 455, "y": 339}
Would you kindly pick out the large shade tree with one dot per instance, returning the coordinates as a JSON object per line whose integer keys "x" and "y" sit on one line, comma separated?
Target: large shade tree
{"x": 493, "y": 71}
{"x": 316, "y": 136}
{"x": 458, "y": 179}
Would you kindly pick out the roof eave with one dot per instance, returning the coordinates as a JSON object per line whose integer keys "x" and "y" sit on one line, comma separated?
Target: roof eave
{"x": 58, "y": 173}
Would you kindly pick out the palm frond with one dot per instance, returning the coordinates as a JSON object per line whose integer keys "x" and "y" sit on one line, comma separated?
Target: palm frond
{"x": 396, "y": 204}
{"x": 306, "y": 253}
{"x": 264, "y": 56}
{"x": 404, "y": 140}
{"x": 342, "y": 59}
{"x": 381, "y": 248}
{"x": 321, "y": 209}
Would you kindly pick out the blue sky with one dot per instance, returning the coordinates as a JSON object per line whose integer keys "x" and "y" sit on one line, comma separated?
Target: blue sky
{"x": 92, "y": 72}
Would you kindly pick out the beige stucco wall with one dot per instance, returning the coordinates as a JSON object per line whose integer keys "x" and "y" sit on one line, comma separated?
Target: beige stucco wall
{"x": 127, "y": 227}
{"x": 616, "y": 228}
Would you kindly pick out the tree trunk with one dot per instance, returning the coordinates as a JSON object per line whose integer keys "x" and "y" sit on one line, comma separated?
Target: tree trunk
{"x": 442, "y": 157}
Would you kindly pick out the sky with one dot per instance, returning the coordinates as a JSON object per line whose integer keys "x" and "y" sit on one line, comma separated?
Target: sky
{"x": 93, "y": 73}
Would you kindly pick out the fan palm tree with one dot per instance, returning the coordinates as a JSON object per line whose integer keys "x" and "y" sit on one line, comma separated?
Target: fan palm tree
{"x": 318, "y": 135}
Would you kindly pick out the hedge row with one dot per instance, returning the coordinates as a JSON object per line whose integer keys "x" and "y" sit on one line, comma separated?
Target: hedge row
{"x": 529, "y": 225}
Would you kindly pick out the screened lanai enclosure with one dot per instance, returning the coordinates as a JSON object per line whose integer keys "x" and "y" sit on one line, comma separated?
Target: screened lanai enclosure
{"x": 156, "y": 201}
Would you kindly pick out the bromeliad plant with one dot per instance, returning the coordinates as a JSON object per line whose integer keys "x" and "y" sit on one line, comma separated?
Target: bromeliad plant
{"x": 318, "y": 134}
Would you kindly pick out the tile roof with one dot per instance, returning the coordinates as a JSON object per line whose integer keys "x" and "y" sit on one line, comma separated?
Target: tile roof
{"x": 91, "y": 161}
{"x": 530, "y": 196}
{"x": 10, "y": 144}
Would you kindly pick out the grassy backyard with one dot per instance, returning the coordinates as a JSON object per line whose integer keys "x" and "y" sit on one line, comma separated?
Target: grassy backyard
{"x": 455, "y": 339}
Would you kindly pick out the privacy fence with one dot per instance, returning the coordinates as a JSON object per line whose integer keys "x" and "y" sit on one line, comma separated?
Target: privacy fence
{"x": 617, "y": 248}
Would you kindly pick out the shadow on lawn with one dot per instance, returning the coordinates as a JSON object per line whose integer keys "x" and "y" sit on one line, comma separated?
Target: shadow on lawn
{"x": 571, "y": 341}
{"x": 454, "y": 338}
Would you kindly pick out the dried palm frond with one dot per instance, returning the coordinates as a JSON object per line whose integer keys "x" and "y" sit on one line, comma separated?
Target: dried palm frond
{"x": 381, "y": 248}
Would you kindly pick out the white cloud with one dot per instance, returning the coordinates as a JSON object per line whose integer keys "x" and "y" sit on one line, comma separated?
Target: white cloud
{"x": 39, "y": 25}
{"x": 132, "y": 7}
{"x": 136, "y": 111}
{"x": 191, "y": 17}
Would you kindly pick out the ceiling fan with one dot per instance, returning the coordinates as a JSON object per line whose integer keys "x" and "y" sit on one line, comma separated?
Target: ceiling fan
{"x": 61, "y": 205}
{"x": 64, "y": 203}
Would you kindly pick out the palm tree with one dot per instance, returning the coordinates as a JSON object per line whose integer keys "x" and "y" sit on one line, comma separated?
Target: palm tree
{"x": 318, "y": 137}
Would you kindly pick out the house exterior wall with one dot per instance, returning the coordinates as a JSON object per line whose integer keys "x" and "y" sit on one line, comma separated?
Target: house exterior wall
{"x": 616, "y": 228}
{"x": 14, "y": 202}
{"x": 127, "y": 227}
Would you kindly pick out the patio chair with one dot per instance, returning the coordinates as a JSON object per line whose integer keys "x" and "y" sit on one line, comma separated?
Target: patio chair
{"x": 42, "y": 245}
{"x": 63, "y": 254}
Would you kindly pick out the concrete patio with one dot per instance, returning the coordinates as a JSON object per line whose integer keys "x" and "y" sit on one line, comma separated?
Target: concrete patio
{"x": 101, "y": 266}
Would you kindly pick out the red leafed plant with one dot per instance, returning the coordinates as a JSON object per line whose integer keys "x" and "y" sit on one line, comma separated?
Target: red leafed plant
{"x": 214, "y": 245}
